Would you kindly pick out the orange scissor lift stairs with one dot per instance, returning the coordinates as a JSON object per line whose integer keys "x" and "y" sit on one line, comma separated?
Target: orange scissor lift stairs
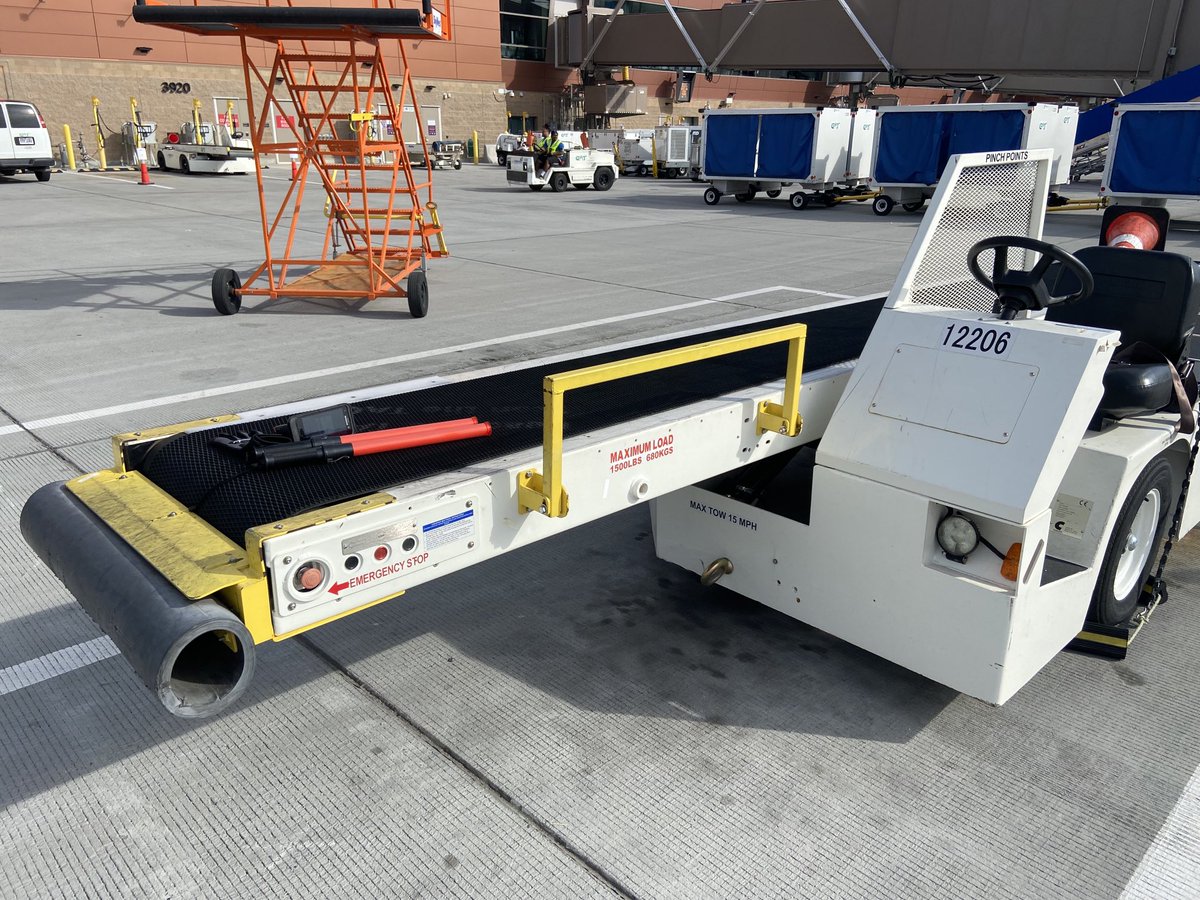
{"x": 345, "y": 124}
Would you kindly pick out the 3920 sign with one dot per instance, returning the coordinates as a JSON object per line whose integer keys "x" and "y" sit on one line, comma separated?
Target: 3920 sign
{"x": 176, "y": 87}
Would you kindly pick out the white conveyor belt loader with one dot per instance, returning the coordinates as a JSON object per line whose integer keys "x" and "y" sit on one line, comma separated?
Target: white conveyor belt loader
{"x": 973, "y": 484}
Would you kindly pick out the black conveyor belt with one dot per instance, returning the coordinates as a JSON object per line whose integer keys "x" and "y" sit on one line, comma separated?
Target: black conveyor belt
{"x": 232, "y": 497}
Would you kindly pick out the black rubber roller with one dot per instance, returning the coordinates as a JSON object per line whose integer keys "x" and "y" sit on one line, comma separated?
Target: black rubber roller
{"x": 195, "y": 655}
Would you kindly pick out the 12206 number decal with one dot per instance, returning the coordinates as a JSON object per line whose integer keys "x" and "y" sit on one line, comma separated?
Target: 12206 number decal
{"x": 981, "y": 340}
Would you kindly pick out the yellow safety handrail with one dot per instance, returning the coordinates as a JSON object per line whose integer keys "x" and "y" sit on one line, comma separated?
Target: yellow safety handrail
{"x": 545, "y": 492}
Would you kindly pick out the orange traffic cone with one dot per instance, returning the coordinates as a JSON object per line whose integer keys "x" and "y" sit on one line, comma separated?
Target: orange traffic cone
{"x": 295, "y": 168}
{"x": 145, "y": 175}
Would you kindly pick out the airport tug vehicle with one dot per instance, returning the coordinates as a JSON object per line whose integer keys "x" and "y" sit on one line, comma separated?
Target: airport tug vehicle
{"x": 577, "y": 168}
{"x": 987, "y": 464}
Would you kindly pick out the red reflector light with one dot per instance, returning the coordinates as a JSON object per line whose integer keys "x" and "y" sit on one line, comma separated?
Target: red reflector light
{"x": 381, "y": 553}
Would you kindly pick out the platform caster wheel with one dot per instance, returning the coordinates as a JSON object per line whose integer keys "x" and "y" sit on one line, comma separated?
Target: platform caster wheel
{"x": 536, "y": 187}
{"x": 799, "y": 200}
{"x": 712, "y": 196}
{"x": 774, "y": 194}
{"x": 226, "y": 293}
{"x": 1134, "y": 545}
{"x": 603, "y": 179}
{"x": 914, "y": 206}
{"x": 883, "y": 205}
{"x": 745, "y": 196}
{"x": 559, "y": 182}
{"x": 418, "y": 295}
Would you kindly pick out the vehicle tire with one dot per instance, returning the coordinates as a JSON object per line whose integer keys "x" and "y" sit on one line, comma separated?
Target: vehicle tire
{"x": 161, "y": 160}
{"x": 184, "y": 165}
{"x": 712, "y": 196}
{"x": 501, "y": 158}
{"x": 745, "y": 196}
{"x": 1133, "y": 547}
{"x": 559, "y": 182}
{"x": 225, "y": 294}
{"x": 536, "y": 187}
{"x": 671, "y": 173}
{"x": 457, "y": 164}
{"x": 418, "y": 294}
{"x": 603, "y": 179}
{"x": 775, "y": 193}
{"x": 42, "y": 174}
{"x": 799, "y": 200}
{"x": 883, "y": 205}
{"x": 914, "y": 206}
{"x": 580, "y": 187}
{"x": 642, "y": 171}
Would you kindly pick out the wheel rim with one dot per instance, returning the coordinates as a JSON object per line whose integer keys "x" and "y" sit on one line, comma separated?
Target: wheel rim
{"x": 1137, "y": 545}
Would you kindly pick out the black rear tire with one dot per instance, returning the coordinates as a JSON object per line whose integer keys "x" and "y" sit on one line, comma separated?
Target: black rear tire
{"x": 418, "y": 295}
{"x": 184, "y": 165}
{"x": 161, "y": 160}
{"x": 42, "y": 174}
{"x": 603, "y": 179}
{"x": 712, "y": 196}
{"x": 1129, "y": 533}
{"x": 580, "y": 187}
{"x": 226, "y": 296}
{"x": 559, "y": 182}
{"x": 775, "y": 193}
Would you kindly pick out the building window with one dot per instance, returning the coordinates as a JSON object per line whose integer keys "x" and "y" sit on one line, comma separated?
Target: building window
{"x": 523, "y": 29}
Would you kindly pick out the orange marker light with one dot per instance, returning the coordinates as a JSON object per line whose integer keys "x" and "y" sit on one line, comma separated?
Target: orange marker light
{"x": 1011, "y": 567}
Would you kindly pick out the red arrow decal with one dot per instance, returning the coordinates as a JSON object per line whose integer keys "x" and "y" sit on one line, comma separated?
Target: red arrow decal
{"x": 335, "y": 589}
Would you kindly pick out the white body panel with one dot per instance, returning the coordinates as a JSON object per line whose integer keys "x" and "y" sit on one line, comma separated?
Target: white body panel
{"x": 861, "y": 156}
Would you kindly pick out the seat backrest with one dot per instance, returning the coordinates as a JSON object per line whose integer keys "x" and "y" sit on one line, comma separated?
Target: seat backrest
{"x": 1147, "y": 295}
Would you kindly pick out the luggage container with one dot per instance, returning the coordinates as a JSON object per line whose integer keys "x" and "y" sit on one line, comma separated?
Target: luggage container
{"x": 1152, "y": 154}
{"x": 745, "y": 151}
{"x": 672, "y": 150}
{"x": 914, "y": 143}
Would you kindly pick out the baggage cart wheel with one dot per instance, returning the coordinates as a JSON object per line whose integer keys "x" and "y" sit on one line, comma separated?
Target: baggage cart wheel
{"x": 603, "y": 179}
{"x": 883, "y": 205}
{"x": 225, "y": 294}
{"x": 536, "y": 187}
{"x": 712, "y": 196}
{"x": 418, "y": 294}
{"x": 642, "y": 171}
{"x": 559, "y": 182}
{"x": 1132, "y": 549}
{"x": 775, "y": 193}
{"x": 745, "y": 196}
{"x": 799, "y": 200}
{"x": 914, "y": 206}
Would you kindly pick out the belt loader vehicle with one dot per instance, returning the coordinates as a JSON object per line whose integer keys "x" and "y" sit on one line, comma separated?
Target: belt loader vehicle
{"x": 960, "y": 477}
{"x": 200, "y": 147}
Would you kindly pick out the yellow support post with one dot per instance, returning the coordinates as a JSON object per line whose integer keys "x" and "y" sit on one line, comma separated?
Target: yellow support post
{"x": 653, "y": 156}
{"x": 197, "y": 134}
{"x": 544, "y": 492}
{"x": 475, "y": 146}
{"x": 135, "y": 119}
{"x": 229, "y": 120}
{"x": 70, "y": 148}
{"x": 99, "y": 133}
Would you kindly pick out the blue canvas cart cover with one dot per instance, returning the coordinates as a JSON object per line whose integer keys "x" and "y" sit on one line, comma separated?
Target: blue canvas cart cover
{"x": 1156, "y": 153}
{"x": 785, "y": 147}
{"x": 910, "y": 148}
{"x": 729, "y": 146}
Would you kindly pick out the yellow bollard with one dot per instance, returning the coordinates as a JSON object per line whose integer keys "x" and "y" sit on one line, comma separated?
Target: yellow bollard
{"x": 70, "y": 148}
{"x": 653, "y": 157}
{"x": 197, "y": 136}
{"x": 475, "y": 146}
{"x": 99, "y": 133}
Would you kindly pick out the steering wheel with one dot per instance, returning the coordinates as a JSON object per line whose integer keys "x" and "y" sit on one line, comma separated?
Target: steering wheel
{"x": 1018, "y": 290}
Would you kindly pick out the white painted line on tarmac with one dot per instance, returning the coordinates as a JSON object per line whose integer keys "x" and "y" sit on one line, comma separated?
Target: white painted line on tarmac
{"x": 110, "y": 179}
{"x": 1171, "y": 866}
{"x": 87, "y": 415}
{"x": 60, "y": 662}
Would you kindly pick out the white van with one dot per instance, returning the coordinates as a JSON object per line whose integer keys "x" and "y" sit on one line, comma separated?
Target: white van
{"x": 24, "y": 140}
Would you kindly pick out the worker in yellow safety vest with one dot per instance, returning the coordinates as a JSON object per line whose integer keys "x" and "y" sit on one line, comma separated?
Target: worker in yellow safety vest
{"x": 546, "y": 149}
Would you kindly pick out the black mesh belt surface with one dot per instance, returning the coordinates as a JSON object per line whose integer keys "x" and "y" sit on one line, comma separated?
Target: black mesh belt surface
{"x": 232, "y": 497}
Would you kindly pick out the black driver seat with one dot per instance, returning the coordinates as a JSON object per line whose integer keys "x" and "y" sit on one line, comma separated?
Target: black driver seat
{"x": 1151, "y": 297}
